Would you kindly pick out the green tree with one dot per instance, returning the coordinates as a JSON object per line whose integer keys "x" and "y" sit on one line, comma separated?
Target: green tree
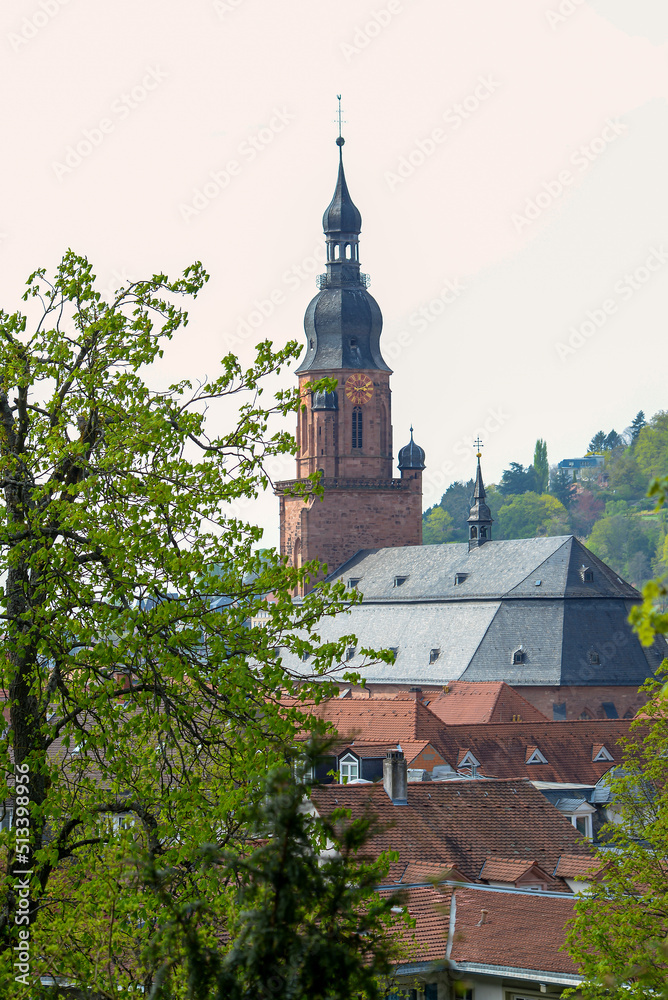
{"x": 517, "y": 479}
{"x": 144, "y": 704}
{"x": 597, "y": 443}
{"x": 437, "y": 527}
{"x": 306, "y": 924}
{"x": 619, "y": 541}
{"x": 620, "y": 932}
{"x": 456, "y": 502}
{"x": 529, "y": 515}
{"x": 637, "y": 425}
{"x": 561, "y": 486}
{"x": 540, "y": 466}
{"x": 651, "y": 447}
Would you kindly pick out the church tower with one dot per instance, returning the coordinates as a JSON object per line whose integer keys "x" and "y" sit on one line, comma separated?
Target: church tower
{"x": 346, "y": 434}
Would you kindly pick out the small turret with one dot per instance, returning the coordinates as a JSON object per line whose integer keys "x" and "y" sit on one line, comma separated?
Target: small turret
{"x": 411, "y": 457}
{"x": 480, "y": 519}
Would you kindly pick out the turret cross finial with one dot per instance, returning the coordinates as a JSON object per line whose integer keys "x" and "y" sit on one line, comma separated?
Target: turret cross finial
{"x": 340, "y": 120}
{"x": 477, "y": 444}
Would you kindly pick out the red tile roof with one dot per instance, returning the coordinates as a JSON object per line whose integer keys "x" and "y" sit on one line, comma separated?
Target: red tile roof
{"x": 461, "y": 823}
{"x": 577, "y": 866}
{"x": 519, "y": 930}
{"x": 429, "y": 908}
{"x": 467, "y": 702}
{"x": 504, "y": 749}
{"x": 509, "y": 869}
{"x": 501, "y": 748}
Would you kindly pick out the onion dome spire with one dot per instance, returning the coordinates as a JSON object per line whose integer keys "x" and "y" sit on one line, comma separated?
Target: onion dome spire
{"x": 343, "y": 322}
{"x": 411, "y": 456}
{"x": 480, "y": 518}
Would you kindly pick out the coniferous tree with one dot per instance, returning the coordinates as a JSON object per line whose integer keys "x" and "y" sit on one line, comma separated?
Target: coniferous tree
{"x": 541, "y": 466}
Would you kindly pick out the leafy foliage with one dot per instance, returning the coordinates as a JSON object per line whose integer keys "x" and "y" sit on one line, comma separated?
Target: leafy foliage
{"x": 144, "y": 697}
{"x": 303, "y": 925}
{"x": 529, "y": 515}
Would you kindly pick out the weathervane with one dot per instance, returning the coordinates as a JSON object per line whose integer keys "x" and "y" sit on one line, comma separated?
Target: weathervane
{"x": 340, "y": 140}
{"x": 477, "y": 444}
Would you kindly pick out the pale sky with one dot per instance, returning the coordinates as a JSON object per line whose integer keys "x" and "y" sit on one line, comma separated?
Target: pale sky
{"x": 509, "y": 159}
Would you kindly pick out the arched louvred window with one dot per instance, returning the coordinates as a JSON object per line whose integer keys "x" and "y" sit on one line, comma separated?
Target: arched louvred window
{"x": 474, "y": 531}
{"x": 357, "y": 427}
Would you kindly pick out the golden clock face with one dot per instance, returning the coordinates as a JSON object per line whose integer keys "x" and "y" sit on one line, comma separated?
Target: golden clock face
{"x": 359, "y": 389}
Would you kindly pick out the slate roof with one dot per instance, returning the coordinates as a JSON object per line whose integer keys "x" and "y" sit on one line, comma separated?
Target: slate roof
{"x": 460, "y": 824}
{"x": 528, "y": 594}
{"x": 518, "y": 930}
{"x": 481, "y": 701}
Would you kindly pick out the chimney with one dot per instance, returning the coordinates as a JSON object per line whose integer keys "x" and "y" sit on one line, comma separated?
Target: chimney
{"x": 395, "y": 777}
{"x": 416, "y": 692}
{"x": 483, "y": 918}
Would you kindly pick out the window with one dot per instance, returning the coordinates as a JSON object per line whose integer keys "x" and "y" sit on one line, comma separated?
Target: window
{"x": 610, "y": 710}
{"x": 601, "y": 753}
{"x": 394, "y": 649}
{"x": 352, "y": 582}
{"x": 349, "y": 769}
{"x": 462, "y": 991}
{"x": 518, "y": 656}
{"x": 350, "y": 652}
{"x": 357, "y": 427}
{"x": 461, "y": 577}
{"x": 589, "y": 576}
{"x": 534, "y": 756}
{"x": 434, "y": 655}
{"x": 399, "y": 581}
{"x": 583, "y": 825}
{"x": 559, "y": 712}
{"x": 594, "y": 659}
{"x": 483, "y": 532}
{"x": 474, "y": 531}
{"x": 431, "y": 991}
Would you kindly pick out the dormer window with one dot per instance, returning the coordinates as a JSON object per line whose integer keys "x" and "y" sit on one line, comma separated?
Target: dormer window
{"x": 594, "y": 659}
{"x": 434, "y": 655}
{"x": 349, "y": 769}
{"x": 468, "y": 760}
{"x": 601, "y": 753}
{"x": 518, "y": 656}
{"x": 353, "y": 582}
{"x": 350, "y": 652}
{"x": 460, "y": 578}
{"x": 586, "y": 574}
{"x": 534, "y": 756}
{"x": 394, "y": 650}
{"x": 399, "y": 581}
